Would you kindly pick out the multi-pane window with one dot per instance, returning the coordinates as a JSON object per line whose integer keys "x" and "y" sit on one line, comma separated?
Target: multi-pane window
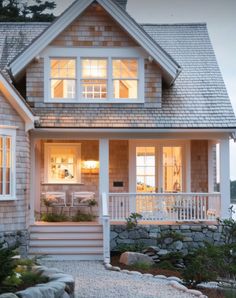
{"x": 5, "y": 166}
{"x": 172, "y": 169}
{"x": 94, "y": 78}
{"x": 125, "y": 78}
{"x": 62, "y": 163}
{"x": 145, "y": 169}
{"x": 63, "y": 78}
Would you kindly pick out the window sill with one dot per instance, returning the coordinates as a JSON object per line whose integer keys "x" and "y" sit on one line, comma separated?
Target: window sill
{"x": 6, "y": 199}
{"x": 114, "y": 101}
{"x": 62, "y": 183}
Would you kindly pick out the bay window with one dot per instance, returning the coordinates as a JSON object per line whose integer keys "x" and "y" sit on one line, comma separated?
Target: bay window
{"x": 7, "y": 173}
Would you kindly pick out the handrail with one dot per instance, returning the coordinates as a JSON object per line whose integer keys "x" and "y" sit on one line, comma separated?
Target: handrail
{"x": 106, "y": 229}
{"x": 158, "y": 194}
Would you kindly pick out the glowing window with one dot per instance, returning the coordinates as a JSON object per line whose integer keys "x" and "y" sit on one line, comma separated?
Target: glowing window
{"x": 62, "y": 163}
{"x": 94, "y": 78}
{"x": 63, "y": 78}
{"x": 172, "y": 169}
{"x": 6, "y": 166}
{"x": 145, "y": 169}
{"x": 125, "y": 78}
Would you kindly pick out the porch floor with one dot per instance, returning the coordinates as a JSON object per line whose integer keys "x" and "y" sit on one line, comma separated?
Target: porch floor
{"x": 66, "y": 223}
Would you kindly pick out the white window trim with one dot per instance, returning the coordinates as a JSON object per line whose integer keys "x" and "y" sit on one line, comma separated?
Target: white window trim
{"x": 9, "y": 132}
{"x": 47, "y": 147}
{"x": 159, "y": 172}
{"x": 106, "y": 53}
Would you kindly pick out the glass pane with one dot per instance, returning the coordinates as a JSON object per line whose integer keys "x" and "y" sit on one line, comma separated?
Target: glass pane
{"x": 145, "y": 169}
{"x": 1, "y": 165}
{"x": 94, "y": 89}
{"x": 63, "y": 89}
{"x": 94, "y": 68}
{"x": 63, "y": 68}
{"x": 125, "y": 68}
{"x": 125, "y": 89}
{"x": 172, "y": 169}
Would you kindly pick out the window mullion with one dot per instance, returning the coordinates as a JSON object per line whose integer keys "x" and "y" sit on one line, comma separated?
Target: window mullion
{"x": 110, "y": 80}
{"x": 79, "y": 83}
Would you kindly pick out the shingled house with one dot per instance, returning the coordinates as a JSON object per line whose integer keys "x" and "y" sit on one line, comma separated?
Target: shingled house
{"x": 96, "y": 106}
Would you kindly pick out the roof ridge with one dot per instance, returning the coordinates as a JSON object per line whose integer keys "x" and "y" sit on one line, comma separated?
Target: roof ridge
{"x": 24, "y": 23}
{"x": 175, "y": 24}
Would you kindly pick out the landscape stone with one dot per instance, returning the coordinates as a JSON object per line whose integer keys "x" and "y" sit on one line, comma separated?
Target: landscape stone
{"x": 130, "y": 258}
{"x": 178, "y": 245}
{"x": 162, "y": 252}
{"x": 8, "y": 295}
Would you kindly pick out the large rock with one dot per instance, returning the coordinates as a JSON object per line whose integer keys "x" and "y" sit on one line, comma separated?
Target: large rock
{"x": 130, "y": 258}
{"x": 8, "y": 295}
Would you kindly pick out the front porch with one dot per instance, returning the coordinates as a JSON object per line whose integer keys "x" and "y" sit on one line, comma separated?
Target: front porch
{"x": 165, "y": 180}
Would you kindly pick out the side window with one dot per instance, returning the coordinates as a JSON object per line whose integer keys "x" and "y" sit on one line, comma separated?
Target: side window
{"x": 7, "y": 178}
{"x": 125, "y": 78}
{"x": 63, "y": 78}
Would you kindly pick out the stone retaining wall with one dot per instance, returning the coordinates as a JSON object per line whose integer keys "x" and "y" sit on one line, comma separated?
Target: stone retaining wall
{"x": 20, "y": 238}
{"x": 171, "y": 237}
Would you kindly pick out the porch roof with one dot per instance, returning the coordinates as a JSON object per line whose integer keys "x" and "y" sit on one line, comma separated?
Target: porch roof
{"x": 198, "y": 99}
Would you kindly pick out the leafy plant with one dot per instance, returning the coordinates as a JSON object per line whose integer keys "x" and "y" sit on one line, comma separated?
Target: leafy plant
{"x": 92, "y": 203}
{"x": 29, "y": 279}
{"x": 132, "y": 220}
{"x": 138, "y": 246}
{"x": 229, "y": 230}
{"x": 83, "y": 217}
{"x": 54, "y": 217}
{"x": 167, "y": 265}
{"x": 7, "y": 263}
{"x": 142, "y": 265}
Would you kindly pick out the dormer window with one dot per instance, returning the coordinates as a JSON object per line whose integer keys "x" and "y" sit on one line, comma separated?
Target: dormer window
{"x": 88, "y": 75}
{"x": 63, "y": 78}
{"x": 94, "y": 78}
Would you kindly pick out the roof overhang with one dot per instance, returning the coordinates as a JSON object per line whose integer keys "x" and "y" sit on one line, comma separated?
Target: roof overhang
{"x": 169, "y": 66}
{"x": 17, "y": 102}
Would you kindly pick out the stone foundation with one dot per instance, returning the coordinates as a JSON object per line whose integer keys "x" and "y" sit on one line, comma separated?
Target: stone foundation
{"x": 171, "y": 237}
{"x": 20, "y": 238}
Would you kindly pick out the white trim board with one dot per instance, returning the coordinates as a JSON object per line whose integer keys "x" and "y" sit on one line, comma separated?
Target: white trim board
{"x": 168, "y": 65}
{"x": 17, "y": 103}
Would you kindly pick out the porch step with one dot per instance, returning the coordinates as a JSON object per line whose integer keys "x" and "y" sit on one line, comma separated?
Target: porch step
{"x": 66, "y": 241}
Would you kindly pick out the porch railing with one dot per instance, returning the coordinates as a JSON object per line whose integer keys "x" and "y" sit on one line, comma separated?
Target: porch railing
{"x": 175, "y": 207}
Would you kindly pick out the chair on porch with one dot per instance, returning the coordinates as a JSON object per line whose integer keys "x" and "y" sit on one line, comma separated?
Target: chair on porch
{"x": 81, "y": 199}
{"x": 54, "y": 199}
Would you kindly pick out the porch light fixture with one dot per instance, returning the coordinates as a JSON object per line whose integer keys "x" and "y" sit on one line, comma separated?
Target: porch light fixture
{"x": 90, "y": 165}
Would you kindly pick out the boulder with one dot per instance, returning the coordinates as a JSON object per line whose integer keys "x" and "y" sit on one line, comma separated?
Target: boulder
{"x": 162, "y": 252}
{"x": 130, "y": 258}
{"x": 8, "y": 295}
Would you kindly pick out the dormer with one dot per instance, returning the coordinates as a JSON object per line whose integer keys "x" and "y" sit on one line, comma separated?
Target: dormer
{"x": 95, "y": 53}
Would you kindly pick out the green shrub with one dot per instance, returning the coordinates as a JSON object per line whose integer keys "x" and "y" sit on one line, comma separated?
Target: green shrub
{"x": 132, "y": 220}
{"x": 229, "y": 230}
{"x": 209, "y": 263}
{"x": 54, "y": 217}
{"x": 30, "y": 279}
{"x": 138, "y": 246}
{"x": 7, "y": 263}
{"x": 142, "y": 265}
{"x": 167, "y": 265}
{"x": 83, "y": 217}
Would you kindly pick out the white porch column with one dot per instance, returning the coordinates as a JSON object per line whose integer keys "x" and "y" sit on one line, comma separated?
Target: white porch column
{"x": 224, "y": 178}
{"x": 32, "y": 181}
{"x": 103, "y": 170}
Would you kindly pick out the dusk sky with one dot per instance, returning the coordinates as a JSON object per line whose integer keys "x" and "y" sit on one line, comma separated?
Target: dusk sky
{"x": 220, "y": 16}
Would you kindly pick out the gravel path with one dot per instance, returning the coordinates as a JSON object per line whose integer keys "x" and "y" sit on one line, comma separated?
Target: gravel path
{"x": 94, "y": 281}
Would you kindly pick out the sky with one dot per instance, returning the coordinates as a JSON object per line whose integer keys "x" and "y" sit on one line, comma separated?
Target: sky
{"x": 220, "y": 16}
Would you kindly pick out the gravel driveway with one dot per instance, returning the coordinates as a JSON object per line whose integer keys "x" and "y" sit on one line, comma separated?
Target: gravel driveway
{"x": 94, "y": 281}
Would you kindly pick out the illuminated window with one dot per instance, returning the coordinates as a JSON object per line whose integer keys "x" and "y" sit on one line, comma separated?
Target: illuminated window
{"x": 172, "y": 169}
{"x": 94, "y": 78}
{"x": 6, "y": 166}
{"x": 62, "y": 163}
{"x": 63, "y": 78}
{"x": 145, "y": 169}
{"x": 125, "y": 78}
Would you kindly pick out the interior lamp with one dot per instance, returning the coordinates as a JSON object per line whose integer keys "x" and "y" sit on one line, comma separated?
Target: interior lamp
{"x": 90, "y": 165}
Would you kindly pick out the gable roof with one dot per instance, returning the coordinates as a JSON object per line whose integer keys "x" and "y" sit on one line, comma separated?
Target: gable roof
{"x": 169, "y": 66}
{"x": 17, "y": 102}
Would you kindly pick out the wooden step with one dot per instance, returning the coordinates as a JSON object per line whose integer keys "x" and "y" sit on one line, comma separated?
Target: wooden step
{"x": 66, "y": 236}
{"x": 65, "y": 243}
{"x": 66, "y": 228}
{"x": 65, "y": 250}
{"x": 77, "y": 257}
